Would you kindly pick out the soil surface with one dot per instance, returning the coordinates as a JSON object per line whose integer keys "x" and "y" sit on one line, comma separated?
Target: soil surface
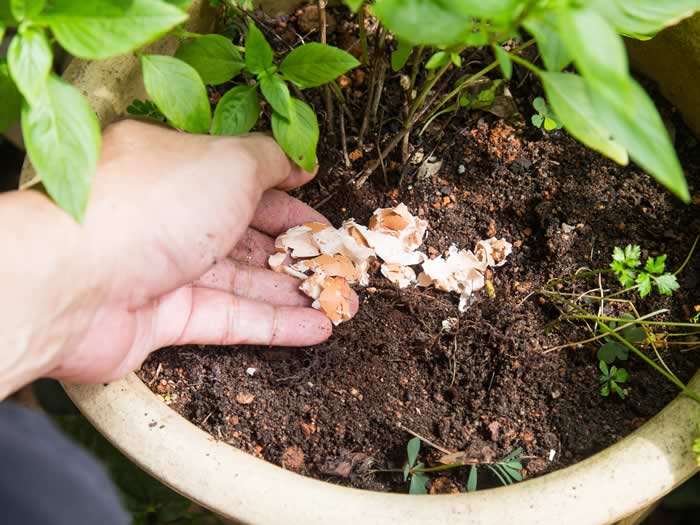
{"x": 338, "y": 410}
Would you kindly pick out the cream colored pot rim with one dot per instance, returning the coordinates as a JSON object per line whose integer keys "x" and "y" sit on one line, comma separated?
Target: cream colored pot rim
{"x": 608, "y": 486}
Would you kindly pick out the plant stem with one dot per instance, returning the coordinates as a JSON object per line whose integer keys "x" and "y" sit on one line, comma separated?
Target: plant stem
{"x": 632, "y": 321}
{"x": 476, "y": 76}
{"x": 416, "y": 66}
{"x": 425, "y": 90}
{"x": 668, "y": 375}
{"x": 525, "y": 63}
{"x": 362, "y": 20}
{"x": 687, "y": 259}
{"x": 439, "y": 468}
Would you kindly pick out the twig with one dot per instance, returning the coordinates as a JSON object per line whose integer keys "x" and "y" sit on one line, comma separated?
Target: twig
{"x": 327, "y": 99}
{"x": 155, "y": 376}
{"x": 378, "y": 58}
{"x": 371, "y": 168}
{"x": 344, "y": 140}
{"x": 424, "y": 439}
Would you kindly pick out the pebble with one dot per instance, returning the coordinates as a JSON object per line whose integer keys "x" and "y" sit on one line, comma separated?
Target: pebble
{"x": 461, "y": 169}
{"x": 567, "y": 228}
{"x": 244, "y": 398}
{"x": 251, "y": 371}
{"x": 293, "y": 458}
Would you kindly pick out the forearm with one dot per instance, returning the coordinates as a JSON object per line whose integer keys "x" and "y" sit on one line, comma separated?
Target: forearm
{"x": 42, "y": 278}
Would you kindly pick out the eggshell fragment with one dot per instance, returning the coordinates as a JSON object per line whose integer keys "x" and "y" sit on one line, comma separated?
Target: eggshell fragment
{"x": 327, "y": 259}
{"x": 334, "y": 300}
{"x": 403, "y": 276}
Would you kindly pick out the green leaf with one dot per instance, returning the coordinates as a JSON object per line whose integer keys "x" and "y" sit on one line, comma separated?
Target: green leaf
{"x": 537, "y": 120}
{"x": 603, "y": 368}
{"x": 29, "y": 58}
{"x": 439, "y": 59}
{"x": 611, "y": 351}
{"x": 62, "y": 137}
{"x": 401, "y": 55}
{"x": 276, "y": 92}
{"x": 298, "y": 137}
{"x": 598, "y": 51}
{"x": 621, "y": 375}
{"x": 406, "y": 471}
{"x": 314, "y": 64}
{"x": 513, "y": 473}
{"x": 26, "y": 9}
{"x": 605, "y": 390}
{"x": 100, "y": 29}
{"x": 3, "y": 28}
{"x": 258, "y": 53}
{"x": 644, "y": 284}
{"x": 6, "y": 13}
{"x": 644, "y": 18}
{"x": 633, "y": 253}
{"x": 11, "y": 99}
{"x": 214, "y": 57}
{"x": 636, "y": 124}
{"x": 423, "y": 22}
{"x": 570, "y": 101}
{"x": 472, "y": 480}
{"x": 550, "y": 124}
{"x": 543, "y": 26}
{"x": 617, "y": 389}
{"x": 456, "y": 59}
{"x": 412, "y": 450}
{"x": 666, "y": 283}
{"x": 504, "y": 61}
{"x": 237, "y": 111}
{"x": 178, "y": 91}
{"x": 418, "y": 483}
{"x": 656, "y": 265}
{"x": 618, "y": 254}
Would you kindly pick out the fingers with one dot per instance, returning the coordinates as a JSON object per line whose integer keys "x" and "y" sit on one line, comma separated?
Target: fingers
{"x": 254, "y": 248}
{"x": 277, "y": 212}
{"x": 274, "y": 168}
{"x": 219, "y": 318}
{"x": 254, "y": 283}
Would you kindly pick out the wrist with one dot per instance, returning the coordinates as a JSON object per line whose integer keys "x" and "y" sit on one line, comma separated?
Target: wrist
{"x": 45, "y": 278}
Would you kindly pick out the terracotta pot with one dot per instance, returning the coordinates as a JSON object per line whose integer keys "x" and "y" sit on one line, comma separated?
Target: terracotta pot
{"x": 616, "y": 483}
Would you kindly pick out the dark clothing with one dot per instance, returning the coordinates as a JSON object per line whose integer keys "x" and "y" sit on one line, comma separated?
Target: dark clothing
{"x": 46, "y": 480}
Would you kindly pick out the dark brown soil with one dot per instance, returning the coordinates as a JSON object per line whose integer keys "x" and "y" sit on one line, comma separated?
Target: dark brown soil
{"x": 334, "y": 410}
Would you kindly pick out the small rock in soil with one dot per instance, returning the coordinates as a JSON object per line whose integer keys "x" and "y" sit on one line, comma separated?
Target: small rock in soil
{"x": 444, "y": 486}
{"x": 495, "y": 430}
{"x": 244, "y": 398}
{"x": 293, "y": 458}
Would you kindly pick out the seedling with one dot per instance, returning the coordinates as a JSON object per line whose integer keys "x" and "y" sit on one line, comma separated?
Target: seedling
{"x": 412, "y": 469}
{"x": 613, "y": 350}
{"x": 545, "y": 117}
{"x": 506, "y": 470}
{"x": 616, "y": 321}
{"x": 611, "y": 379}
{"x": 626, "y": 262}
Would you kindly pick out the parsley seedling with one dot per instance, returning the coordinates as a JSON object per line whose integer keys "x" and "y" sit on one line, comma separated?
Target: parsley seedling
{"x": 626, "y": 265}
{"x": 610, "y": 380}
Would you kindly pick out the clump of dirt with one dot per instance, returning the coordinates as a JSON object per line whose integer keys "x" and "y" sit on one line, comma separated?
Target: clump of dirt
{"x": 335, "y": 411}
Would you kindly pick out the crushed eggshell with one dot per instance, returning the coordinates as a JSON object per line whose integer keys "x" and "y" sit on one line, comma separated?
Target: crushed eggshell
{"x": 403, "y": 276}
{"x": 327, "y": 259}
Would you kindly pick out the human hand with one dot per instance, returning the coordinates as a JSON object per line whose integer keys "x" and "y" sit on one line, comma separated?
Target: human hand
{"x": 176, "y": 240}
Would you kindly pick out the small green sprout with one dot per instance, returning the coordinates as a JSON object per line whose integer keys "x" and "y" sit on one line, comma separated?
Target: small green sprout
{"x": 545, "y": 117}
{"x": 508, "y": 469}
{"x": 612, "y": 379}
{"x": 696, "y": 318}
{"x": 613, "y": 350}
{"x": 626, "y": 264}
{"x": 410, "y": 470}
